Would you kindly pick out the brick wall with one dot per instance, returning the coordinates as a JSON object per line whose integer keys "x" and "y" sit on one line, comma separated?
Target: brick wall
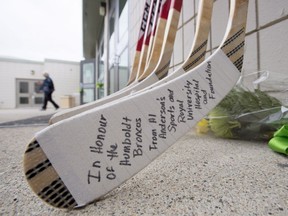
{"x": 266, "y": 40}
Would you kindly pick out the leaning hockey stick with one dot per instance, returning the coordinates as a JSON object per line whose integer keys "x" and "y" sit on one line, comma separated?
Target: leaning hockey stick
{"x": 155, "y": 23}
{"x": 174, "y": 7}
{"x": 96, "y": 151}
{"x": 141, "y": 49}
{"x": 148, "y": 41}
{"x": 160, "y": 42}
{"x": 140, "y": 41}
{"x": 144, "y": 52}
{"x": 198, "y": 51}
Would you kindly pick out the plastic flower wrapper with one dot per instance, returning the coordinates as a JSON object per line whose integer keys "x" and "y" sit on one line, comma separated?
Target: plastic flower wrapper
{"x": 247, "y": 112}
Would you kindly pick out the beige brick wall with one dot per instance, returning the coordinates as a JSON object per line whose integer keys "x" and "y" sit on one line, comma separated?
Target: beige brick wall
{"x": 266, "y": 41}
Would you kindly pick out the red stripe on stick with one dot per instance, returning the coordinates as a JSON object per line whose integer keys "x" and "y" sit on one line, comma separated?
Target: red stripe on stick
{"x": 165, "y": 9}
{"x": 177, "y": 5}
{"x": 140, "y": 43}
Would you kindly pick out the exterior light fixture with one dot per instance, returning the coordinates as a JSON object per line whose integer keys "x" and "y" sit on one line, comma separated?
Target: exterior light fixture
{"x": 102, "y": 9}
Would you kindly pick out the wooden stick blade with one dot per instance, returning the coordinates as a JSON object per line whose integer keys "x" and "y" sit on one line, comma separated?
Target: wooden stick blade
{"x": 88, "y": 155}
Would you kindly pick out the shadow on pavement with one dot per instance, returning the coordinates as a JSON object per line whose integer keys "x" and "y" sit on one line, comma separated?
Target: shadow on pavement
{"x": 38, "y": 120}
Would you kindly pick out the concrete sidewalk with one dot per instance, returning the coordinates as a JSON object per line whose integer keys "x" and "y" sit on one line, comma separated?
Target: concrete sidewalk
{"x": 198, "y": 175}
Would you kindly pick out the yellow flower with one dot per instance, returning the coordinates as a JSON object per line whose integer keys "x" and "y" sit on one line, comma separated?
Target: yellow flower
{"x": 202, "y": 126}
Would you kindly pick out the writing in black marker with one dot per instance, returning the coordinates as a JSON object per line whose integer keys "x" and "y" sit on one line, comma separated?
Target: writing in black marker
{"x": 152, "y": 118}
{"x": 126, "y": 128}
{"x": 171, "y": 95}
{"x": 96, "y": 172}
{"x": 189, "y": 94}
{"x": 172, "y": 124}
{"x": 197, "y": 94}
{"x": 153, "y": 145}
{"x": 209, "y": 79}
{"x": 112, "y": 153}
{"x": 111, "y": 173}
{"x": 138, "y": 151}
{"x": 162, "y": 123}
{"x": 98, "y": 147}
{"x": 181, "y": 117}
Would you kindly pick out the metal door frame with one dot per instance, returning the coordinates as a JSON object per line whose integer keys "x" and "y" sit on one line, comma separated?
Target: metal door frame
{"x": 83, "y": 85}
{"x": 31, "y": 93}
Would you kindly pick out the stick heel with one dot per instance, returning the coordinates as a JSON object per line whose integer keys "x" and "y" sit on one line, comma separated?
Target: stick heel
{"x": 44, "y": 180}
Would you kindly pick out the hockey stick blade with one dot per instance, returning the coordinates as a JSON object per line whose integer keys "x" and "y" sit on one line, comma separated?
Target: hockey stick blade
{"x": 79, "y": 160}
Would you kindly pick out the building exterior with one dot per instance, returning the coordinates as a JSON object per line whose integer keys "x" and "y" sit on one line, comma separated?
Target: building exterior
{"x": 111, "y": 27}
{"x": 110, "y": 33}
{"x": 105, "y": 42}
{"x": 20, "y": 81}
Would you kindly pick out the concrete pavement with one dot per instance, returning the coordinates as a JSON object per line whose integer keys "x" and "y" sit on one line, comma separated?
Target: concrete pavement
{"x": 198, "y": 175}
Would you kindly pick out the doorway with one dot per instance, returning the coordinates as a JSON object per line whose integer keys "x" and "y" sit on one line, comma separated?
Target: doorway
{"x": 87, "y": 79}
{"x": 28, "y": 93}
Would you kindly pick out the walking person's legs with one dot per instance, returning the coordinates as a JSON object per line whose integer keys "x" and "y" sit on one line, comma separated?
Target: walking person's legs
{"x": 48, "y": 97}
{"x": 53, "y": 102}
{"x": 45, "y": 102}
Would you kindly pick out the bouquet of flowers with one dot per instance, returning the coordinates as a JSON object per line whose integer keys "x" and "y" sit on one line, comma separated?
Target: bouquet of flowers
{"x": 247, "y": 114}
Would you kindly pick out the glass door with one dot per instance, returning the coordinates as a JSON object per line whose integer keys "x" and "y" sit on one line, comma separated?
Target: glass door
{"x": 88, "y": 85}
{"x": 28, "y": 93}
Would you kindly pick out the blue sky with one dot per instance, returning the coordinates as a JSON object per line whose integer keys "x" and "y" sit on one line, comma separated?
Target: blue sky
{"x": 39, "y": 29}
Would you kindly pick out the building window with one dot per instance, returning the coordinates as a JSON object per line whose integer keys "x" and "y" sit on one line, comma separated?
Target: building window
{"x": 100, "y": 83}
{"x": 88, "y": 87}
{"x": 123, "y": 69}
{"x": 118, "y": 46}
{"x": 24, "y": 87}
{"x": 88, "y": 73}
{"x": 113, "y": 60}
{"x": 88, "y": 95}
{"x": 100, "y": 70}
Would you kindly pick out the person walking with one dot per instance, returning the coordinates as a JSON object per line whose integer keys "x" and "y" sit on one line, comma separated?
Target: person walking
{"x": 48, "y": 88}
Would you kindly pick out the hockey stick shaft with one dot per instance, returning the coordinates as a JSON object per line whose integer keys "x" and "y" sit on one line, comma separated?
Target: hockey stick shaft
{"x": 147, "y": 37}
{"x": 166, "y": 51}
{"x": 155, "y": 23}
{"x": 140, "y": 41}
{"x": 173, "y": 11}
{"x": 159, "y": 41}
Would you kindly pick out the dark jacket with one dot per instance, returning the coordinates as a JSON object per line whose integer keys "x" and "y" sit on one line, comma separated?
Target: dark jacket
{"x": 47, "y": 86}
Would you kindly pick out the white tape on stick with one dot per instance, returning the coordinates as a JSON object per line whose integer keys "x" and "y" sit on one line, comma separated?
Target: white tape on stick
{"x": 99, "y": 149}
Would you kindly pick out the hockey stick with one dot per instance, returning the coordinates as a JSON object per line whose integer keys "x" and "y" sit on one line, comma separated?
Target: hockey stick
{"x": 198, "y": 51}
{"x": 144, "y": 52}
{"x": 139, "y": 44}
{"x": 155, "y": 23}
{"x": 171, "y": 6}
{"x": 120, "y": 139}
{"x": 204, "y": 28}
{"x": 159, "y": 43}
{"x": 148, "y": 42}
{"x": 140, "y": 55}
